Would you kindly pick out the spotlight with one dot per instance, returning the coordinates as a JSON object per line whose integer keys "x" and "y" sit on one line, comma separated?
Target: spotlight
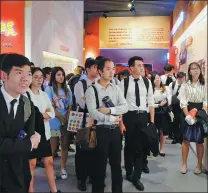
{"x": 105, "y": 15}
{"x": 129, "y": 5}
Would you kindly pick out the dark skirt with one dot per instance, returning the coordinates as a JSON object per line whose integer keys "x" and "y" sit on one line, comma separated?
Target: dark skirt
{"x": 43, "y": 150}
{"x": 162, "y": 122}
{"x": 198, "y": 106}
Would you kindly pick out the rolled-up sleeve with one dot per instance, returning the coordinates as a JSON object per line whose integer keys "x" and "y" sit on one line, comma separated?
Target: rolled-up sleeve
{"x": 183, "y": 97}
{"x": 92, "y": 108}
{"x": 150, "y": 96}
{"x": 122, "y": 106}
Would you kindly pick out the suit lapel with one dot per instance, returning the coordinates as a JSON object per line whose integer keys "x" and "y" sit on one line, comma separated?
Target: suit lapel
{"x": 4, "y": 111}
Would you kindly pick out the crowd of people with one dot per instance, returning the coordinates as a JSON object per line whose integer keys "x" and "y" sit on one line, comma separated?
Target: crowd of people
{"x": 36, "y": 105}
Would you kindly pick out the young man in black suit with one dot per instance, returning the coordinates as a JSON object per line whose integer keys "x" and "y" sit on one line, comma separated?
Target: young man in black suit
{"x": 17, "y": 133}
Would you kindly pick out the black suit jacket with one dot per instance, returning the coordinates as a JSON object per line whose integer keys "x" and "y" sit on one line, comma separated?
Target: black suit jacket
{"x": 12, "y": 149}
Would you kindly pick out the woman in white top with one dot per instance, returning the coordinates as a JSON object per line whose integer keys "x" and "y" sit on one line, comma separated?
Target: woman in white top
{"x": 45, "y": 112}
{"x": 193, "y": 94}
{"x": 162, "y": 98}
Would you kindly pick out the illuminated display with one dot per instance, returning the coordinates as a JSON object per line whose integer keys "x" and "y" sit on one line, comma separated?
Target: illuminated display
{"x": 178, "y": 22}
{"x": 7, "y": 28}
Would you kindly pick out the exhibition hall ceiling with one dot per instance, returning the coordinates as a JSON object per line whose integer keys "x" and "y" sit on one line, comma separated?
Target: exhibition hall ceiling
{"x": 119, "y": 8}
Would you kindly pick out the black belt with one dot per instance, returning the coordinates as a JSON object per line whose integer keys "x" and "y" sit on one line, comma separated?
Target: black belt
{"x": 138, "y": 112}
{"x": 108, "y": 126}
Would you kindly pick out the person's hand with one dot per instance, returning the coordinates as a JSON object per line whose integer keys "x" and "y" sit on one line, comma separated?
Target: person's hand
{"x": 46, "y": 116}
{"x": 118, "y": 118}
{"x": 162, "y": 103}
{"x": 122, "y": 127}
{"x": 104, "y": 110}
{"x": 84, "y": 98}
{"x": 35, "y": 139}
{"x": 190, "y": 120}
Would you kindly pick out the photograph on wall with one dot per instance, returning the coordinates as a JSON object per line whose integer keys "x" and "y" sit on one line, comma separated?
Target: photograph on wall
{"x": 193, "y": 48}
{"x": 183, "y": 51}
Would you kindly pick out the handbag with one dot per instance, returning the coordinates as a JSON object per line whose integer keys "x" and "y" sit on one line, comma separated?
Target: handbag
{"x": 193, "y": 133}
{"x": 152, "y": 138}
{"x": 86, "y": 137}
{"x": 202, "y": 118}
{"x": 76, "y": 119}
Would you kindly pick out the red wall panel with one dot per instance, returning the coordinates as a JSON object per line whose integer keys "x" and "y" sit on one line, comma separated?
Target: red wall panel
{"x": 12, "y": 36}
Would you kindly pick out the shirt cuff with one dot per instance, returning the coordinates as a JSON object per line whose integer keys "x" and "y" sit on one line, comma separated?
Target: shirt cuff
{"x": 49, "y": 114}
{"x": 156, "y": 105}
{"x": 183, "y": 105}
{"x": 112, "y": 119}
{"x": 204, "y": 104}
{"x": 113, "y": 110}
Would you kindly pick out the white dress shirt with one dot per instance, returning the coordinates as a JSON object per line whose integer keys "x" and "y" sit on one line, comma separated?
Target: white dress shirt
{"x": 146, "y": 99}
{"x": 43, "y": 102}
{"x": 164, "y": 78}
{"x": 192, "y": 93}
{"x": 79, "y": 93}
{"x": 174, "y": 90}
{"x": 8, "y": 98}
{"x": 116, "y": 96}
{"x": 160, "y": 96}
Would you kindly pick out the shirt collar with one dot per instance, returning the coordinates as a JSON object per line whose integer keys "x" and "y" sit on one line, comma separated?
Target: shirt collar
{"x": 189, "y": 82}
{"x": 132, "y": 78}
{"x": 101, "y": 87}
{"x": 89, "y": 81}
{"x": 8, "y": 98}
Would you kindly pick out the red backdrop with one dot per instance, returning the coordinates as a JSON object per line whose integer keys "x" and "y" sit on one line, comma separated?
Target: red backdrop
{"x": 12, "y": 36}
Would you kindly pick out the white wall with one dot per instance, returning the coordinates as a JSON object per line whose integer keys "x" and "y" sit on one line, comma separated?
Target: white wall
{"x": 196, "y": 52}
{"x": 52, "y": 24}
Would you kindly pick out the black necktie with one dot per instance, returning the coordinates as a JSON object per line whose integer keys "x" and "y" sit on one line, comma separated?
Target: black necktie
{"x": 11, "y": 114}
{"x": 137, "y": 92}
{"x": 177, "y": 92}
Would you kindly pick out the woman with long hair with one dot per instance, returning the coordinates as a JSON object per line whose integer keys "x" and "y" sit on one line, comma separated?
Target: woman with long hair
{"x": 61, "y": 99}
{"x": 162, "y": 98}
{"x": 193, "y": 94}
{"x": 43, "y": 112}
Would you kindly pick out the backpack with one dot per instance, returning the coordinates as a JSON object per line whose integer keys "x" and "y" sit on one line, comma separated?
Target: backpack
{"x": 72, "y": 81}
{"x": 27, "y": 108}
{"x": 126, "y": 85}
{"x": 74, "y": 105}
